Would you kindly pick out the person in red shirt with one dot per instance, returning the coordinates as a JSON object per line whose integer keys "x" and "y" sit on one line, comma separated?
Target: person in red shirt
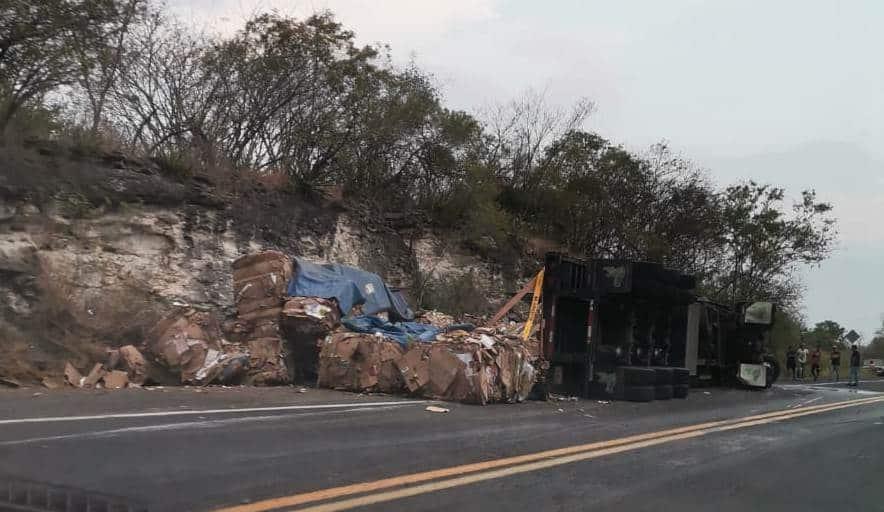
{"x": 815, "y": 358}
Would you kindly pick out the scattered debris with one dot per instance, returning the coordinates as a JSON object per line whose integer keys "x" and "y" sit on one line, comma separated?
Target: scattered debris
{"x": 433, "y": 408}
{"x": 604, "y": 402}
{"x": 436, "y": 319}
{"x": 37, "y": 394}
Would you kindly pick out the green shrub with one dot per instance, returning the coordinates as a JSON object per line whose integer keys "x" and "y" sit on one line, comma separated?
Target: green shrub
{"x": 175, "y": 163}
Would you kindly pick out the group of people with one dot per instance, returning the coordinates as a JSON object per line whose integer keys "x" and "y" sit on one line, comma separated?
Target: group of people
{"x": 796, "y": 363}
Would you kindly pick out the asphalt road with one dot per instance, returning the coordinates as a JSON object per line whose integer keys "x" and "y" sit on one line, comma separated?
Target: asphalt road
{"x": 803, "y": 447}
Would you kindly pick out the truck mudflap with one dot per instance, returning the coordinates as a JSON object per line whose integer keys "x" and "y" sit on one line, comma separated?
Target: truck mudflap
{"x": 754, "y": 375}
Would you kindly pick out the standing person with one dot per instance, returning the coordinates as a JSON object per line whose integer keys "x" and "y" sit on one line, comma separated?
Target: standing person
{"x": 802, "y": 360}
{"x": 835, "y": 361}
{"x": 790, "y": 361}
{"x": 853, "y": 378}
{"x": 815, "y": 358}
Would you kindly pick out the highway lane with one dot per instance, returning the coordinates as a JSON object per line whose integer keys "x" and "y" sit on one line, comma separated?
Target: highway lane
{"x": 205, "y": 461}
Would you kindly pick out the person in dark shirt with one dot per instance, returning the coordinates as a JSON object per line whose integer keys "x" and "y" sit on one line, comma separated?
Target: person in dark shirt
{"x": 853, "y": 378}
{"x": 815, "y": 358}
{"x": 835, "y": 362}
{"x": 790, "y": 362}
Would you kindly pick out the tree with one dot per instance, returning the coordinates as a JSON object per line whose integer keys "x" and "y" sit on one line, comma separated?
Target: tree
{"x": 160, "y": 102}
{"x": 763, "y": 243}
{"x": 826, "y": 334}
{"x": 875, "y": 348}
{"x": 104, "y": 58}
{"x": 48, "y": 44}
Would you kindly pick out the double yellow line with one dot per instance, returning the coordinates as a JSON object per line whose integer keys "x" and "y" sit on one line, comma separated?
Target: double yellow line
{"x": 388, "y": 489}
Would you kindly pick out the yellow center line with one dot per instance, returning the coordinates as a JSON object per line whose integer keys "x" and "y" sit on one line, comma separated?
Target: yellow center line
{"x": 382, "y": 497}
{"x": 529, "y": 462}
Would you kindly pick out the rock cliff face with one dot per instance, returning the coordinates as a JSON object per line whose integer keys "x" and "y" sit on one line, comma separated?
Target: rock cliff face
{"x": 94, "y": 249}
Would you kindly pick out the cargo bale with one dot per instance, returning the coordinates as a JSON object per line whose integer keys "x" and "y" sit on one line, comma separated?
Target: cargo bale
{"x": 360, "y": 362}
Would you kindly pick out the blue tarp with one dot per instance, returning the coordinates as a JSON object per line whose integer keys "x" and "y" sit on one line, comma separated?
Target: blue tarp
{"x": 350, "y": 287}
{"x": 403, "y": 332}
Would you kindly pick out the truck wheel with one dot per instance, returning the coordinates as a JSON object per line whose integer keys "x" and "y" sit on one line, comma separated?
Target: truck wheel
{"x": 681, "y": 377}
{"x": 635, "y": 376}
{"x": 680, "y": 391}
{"x": 772, "y": 366}
{"x": 639, "y": 393}
{"x": 663, "y": 375}
{"x": 663, "y": 392}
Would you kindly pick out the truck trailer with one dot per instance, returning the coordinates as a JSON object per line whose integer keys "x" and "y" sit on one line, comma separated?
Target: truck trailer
{"x": 610, "y": 327}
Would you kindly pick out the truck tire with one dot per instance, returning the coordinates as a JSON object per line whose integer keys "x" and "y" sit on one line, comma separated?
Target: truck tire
{"x": 638, "y": 393}
{"x": 681, "y": 377}
{"x": 773, "y": 371}
{"x": 663, "y": 375}
{"x": 663, "y": 392}
{"x": 680, "y": 391}
{"x": 635, "y": 376}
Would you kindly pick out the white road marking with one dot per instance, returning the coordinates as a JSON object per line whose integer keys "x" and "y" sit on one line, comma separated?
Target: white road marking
{"x": 161, "y": 414}
{"x": 166, "y": 427}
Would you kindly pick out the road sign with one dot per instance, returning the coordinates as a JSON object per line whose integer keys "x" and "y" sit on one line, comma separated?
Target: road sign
{"x": 852, "y": 336}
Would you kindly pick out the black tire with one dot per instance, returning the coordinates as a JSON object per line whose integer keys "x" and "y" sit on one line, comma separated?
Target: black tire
{"x": 635, "y": 376}
{"x": 663, "y": 392}
{"x": 680, "y": 391}
{"x": 681, "y": 377}
{"x": 773, "y": 371}
{"x": 663, "y": 375}
{"x": 638, "y": 393}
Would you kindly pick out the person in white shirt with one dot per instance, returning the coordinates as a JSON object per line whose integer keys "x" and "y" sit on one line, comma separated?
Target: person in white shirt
{"x": 802, "y": 359}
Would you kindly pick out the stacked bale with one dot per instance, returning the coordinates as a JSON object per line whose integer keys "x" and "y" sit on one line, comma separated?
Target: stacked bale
{"x": 476, "y": 367}
{"x": 260, "y": 282}
{"x": 471, "y": 367}
{"x": 360, "y": 362}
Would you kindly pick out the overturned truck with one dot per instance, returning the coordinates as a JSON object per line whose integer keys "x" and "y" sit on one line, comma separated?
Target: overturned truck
{"x": 637, "y": 331}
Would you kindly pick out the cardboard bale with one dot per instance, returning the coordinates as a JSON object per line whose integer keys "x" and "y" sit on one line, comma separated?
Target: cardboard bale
{"x": 72, "y": 376}
{"x": 267, "y": 362}
{"x": 181, "y": 342}
{"x": 260, "y": 287}
{"x": 238, "y": 330}
{"x": 261, "y": 276}
{"x": 478, "y": 369}
{"x": 310, "y": 315}
{"x": 414, "y": 367}
{"x": 95, "y": 375}
{"x": 261, "y": 314}
{"x": 133, "y": 363}
{"x": 360, "y": 362}
{"x": 116, "y": 379}
{"x": 247, "y": 307}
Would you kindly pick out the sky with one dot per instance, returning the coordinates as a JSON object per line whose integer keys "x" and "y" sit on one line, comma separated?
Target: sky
{"x": 785, "y": 92}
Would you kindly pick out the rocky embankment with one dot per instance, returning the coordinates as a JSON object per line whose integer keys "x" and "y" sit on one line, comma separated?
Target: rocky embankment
{"x": 96, "y": 249}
